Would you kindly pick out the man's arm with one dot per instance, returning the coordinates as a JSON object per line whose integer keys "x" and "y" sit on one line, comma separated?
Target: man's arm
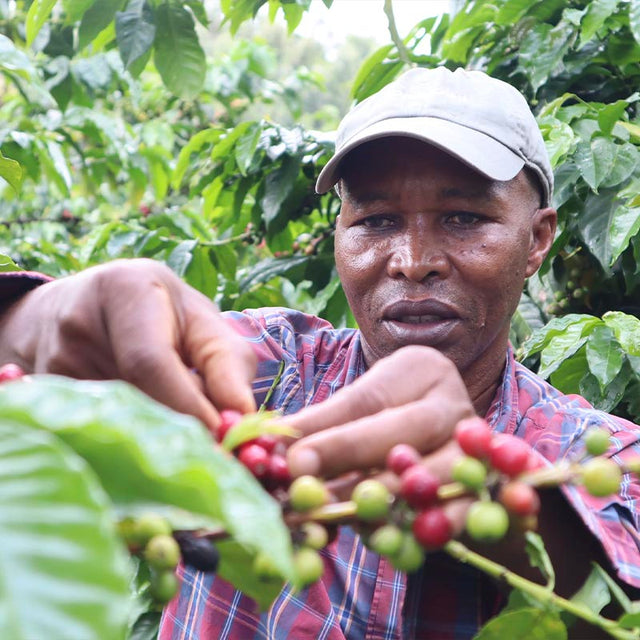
{"x": 137, "y": 321}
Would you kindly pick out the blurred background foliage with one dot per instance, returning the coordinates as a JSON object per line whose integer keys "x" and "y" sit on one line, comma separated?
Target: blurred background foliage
{"x": 192, "y": 132}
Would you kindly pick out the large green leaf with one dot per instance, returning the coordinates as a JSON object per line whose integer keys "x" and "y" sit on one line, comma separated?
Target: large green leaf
{"x": 144, "y": 452}
{"x": 97, "y": 18}
{"x": 178, "y": 55}
{"x": 63, "y": 570}
{"x": 135, "y": 31}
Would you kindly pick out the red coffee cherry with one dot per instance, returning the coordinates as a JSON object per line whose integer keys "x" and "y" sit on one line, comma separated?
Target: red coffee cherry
{"x": 278, "y": 472}
{"x": 255, "y": 458}
{"x": 519, "y": 498}
{"x": 432, "y": 528}
{"x": 474, "y": 436}
{"x": 401, "y": 457}
{"x": 10, "y": 371}
{"x": 228, "y": 419}
{"x": 419, "y": 487}
{"x": 509, "y": 454}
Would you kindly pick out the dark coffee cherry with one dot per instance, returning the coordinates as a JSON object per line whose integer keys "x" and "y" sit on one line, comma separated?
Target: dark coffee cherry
{"x": 198, "y": 552}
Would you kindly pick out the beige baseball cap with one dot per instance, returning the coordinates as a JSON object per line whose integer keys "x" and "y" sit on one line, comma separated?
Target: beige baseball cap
{"x": 482, "y": 121}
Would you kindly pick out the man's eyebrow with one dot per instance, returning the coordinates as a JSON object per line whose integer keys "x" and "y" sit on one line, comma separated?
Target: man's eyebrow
{"x": 478, "y": 193}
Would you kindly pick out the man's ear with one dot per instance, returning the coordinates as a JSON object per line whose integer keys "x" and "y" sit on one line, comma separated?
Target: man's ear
{"x": 543, "y": 231}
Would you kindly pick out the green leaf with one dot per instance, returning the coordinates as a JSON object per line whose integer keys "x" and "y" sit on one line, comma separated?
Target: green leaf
{"x": 604, "y": 355}
{"x": 225, "y": 260}
{"x": 207, "y": 136}
{"x": 524, "y": 624}
{"x": 539, "y": 558}
{"x": 277, "y": 186}
{"x": 253, "y": 425}
{"x": 135, "y": 31}
{"x": 143, "y": 451}
{"x": 201, "y": 273}
{"x": 597, "y": 13}
{"x": 37, "y": 15}
{"x": 626, "y": 329}
{"x": 180, "y": 258}
{"x": 7, "y": 264}
{"x": 594, "y": 159}
{"x": 12, "y": 172}
{"x": 75, "y": 9}
{"x": 96, "y": 19}
{"x": 594, "y": 594}
{"x": 624, "y": 226}
{"x": 269, "y": 268}
{"x": 178, "y": 55}
{"x": 64, "y": 573}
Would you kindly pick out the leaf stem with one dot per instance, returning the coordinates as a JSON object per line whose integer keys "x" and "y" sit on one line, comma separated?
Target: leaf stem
{"x": 540, "y": 592}
{"x": 403, "y": 52}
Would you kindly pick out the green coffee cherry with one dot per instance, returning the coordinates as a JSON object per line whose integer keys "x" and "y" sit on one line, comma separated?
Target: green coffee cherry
{"x": 315, "y": 535}
{"x": 597, "y": 441}
{"x": 307, "y": 492}
{"x": 372, "y": 500}
{"x": 487, "y": 521}
{"x": 149, "y": 525}
{"x": 601, "y": 477}
{"x": 386, "y": 540}
{"x": 164, "y": 586}
{"x": 264, "y": 568}
{"x": 162, "y": 552}
{"x": 470, "y": 472}
{"x": 308, "y": 565}
{"x": 410, "y": 556}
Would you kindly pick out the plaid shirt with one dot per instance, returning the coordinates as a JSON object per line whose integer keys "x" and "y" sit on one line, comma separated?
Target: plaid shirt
{"x": 360, "y": 595}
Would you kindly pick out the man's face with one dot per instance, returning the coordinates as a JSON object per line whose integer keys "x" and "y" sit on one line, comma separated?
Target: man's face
{"x": 430, "y": 252}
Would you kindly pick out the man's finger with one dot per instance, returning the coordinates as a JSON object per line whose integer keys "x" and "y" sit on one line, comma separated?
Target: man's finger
{"x": 403, "y": 377}
{"x": 363, "y": 444}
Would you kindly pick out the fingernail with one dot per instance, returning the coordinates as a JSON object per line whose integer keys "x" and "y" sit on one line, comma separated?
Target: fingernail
{"x": 303, "y": 461}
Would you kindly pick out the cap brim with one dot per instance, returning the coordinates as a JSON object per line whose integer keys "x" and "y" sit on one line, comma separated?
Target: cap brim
{"x": 478, "y": 150}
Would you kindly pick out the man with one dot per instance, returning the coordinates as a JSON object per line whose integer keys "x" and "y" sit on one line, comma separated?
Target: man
{"x": 446, "y": 191}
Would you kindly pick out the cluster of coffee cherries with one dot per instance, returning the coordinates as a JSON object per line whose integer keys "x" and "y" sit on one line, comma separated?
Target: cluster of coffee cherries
{"x": 152, "y": 537}
{"x": 500, "y": 473}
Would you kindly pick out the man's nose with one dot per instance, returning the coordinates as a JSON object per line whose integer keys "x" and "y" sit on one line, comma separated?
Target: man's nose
{"x": 418, "y": 256}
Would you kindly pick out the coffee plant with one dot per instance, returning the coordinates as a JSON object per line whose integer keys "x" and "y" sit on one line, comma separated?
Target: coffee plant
{"x": 122, "y": 135}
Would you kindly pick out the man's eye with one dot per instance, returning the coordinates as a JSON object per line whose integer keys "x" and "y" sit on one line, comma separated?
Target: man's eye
{"x": 464, "y": 218}
{"x": 377, "y": 222}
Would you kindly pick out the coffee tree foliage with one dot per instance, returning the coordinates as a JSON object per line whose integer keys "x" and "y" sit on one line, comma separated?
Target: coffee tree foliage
{"x": 126, "y": 132}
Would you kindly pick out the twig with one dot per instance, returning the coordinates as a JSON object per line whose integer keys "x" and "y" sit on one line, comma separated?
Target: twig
{"x": 403, "y": 52}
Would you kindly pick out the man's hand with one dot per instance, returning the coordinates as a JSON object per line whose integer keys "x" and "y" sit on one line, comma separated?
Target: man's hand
{"x": 134, "y": 320}
{"x": 415, "y": 396}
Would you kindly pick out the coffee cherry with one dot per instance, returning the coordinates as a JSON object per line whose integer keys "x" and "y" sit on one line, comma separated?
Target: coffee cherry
{"x": 308, "y": 565}
{"x": 432, "y": 528}
{"x": 264, "y": 568}
{"x": 162, "y": 552}
{"x": 401, "y": 457}
{"x": 601, "y": 477}
{"x": 10, "y": 371}
{"x": 198, "y": 552}
{"x": 519, "y": 498}
{"x": 419, "y": 487}
{"x": 307, "y": 492}
{"x": 278, "y": 471}
{"x": 410, "y": 556}
{"x": 315, "y": 535}
{"x": 228, "y": 418}
{"x": 372, "y": 500}
{"x": 487, "y": 521}
{"x": 509, "y": 454}
{"x": 597, "y": 441}
{"x": 148, "y": 526}
{"x": 267, "y": 441}
{"x": 470, "y": 472}
{"x": 255, "y": 458}
{"x": 474, "y": 436}
{"x": 386, "y": 540}
{"x": 163, "y": 586}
